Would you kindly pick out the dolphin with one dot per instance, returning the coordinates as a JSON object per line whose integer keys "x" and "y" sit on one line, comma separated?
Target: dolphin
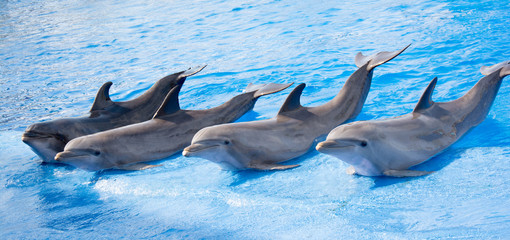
{"x": 263, "y": 144}
{"x": 389, "y": 147}
{"x": 46, "y": 139}
{"x": 169, "y": 131}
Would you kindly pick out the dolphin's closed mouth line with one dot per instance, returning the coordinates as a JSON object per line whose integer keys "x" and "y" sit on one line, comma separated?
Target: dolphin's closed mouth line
{"x": 33, "y": 134}
{"x": 61, "y": 156}
{"x": 193, "y": 149}
{"x": 41, "y": 135}
{"x": 332, "y": 145}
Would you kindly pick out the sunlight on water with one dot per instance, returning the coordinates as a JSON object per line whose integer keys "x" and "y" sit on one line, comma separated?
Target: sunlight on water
{"x": 54, "y": 55}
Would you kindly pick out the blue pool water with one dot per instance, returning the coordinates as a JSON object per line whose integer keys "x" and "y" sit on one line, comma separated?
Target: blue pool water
{"x": 54, "y": 55}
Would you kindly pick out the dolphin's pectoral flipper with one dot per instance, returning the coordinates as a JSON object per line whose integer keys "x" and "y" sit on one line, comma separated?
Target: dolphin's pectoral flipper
{"x": 406, "y": 173}
{"x": 102, "y": 99}
{"x": 271, "y": 166}
{"x": 192, "y": 71}
{"x": 138, "y": 166}
{"x": 265, "y": 89}
{"x": 376, "y": 59}
{"x": 504, "y": 66}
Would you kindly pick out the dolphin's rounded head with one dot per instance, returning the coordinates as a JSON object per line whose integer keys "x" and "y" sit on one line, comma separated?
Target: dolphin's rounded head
{"x": 355, "y": 143}
{"x": 87, "y": 152}
{"x": 46, "y": 138}
{"x": 218, "y": 144}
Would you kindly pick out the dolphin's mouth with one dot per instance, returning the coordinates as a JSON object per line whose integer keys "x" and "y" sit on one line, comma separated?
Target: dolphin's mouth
{"x": 188, "y": 151}
{"x": 33, "y": 134}
{"x": 30, "y": 135}
{"x": 331, "y": 144}
{"x": 62, "y": 156}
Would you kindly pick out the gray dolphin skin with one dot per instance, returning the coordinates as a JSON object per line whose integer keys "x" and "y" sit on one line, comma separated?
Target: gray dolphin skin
{"x": 171, "y": 129}
{"x": 263, "y": 144}
{"x": 46, "y": 139}
{"x": 389, "y": 147}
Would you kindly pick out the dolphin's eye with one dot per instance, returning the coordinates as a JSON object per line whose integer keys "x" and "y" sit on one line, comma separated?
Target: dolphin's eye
{"x": 96, "y": 153}
{"x": 363, "y": 143}
{"x": 226, "y": 142}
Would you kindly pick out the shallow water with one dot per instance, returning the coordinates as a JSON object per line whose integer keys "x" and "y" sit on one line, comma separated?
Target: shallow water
{"x": 54, "y": 55}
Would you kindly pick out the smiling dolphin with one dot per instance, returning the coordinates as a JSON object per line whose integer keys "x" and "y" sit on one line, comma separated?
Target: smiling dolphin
{"x": 168, "y": 132}
{"x": 263, "y": 144}
{"x": 48, "y": 138}
{"x": 389, "y": 147}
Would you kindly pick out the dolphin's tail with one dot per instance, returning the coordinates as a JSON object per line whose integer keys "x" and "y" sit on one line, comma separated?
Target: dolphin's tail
{"x": 192, "y": 71}
{"x": 504, "y": 66}
{"x": 377, "y": 59}
{"x": 265, "y": 89}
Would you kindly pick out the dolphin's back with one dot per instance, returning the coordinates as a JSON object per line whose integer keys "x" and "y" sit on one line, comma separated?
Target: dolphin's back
{"x": 473, "y": 107}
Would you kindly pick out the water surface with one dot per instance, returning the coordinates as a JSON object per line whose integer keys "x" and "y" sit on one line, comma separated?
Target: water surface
{"x": 54, "y": 55}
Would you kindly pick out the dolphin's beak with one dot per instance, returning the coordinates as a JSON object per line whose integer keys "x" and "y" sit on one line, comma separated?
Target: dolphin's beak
{"x": 323, "y": 145}
{"x": 25, "y": 139}
{"x": 331, "y": 144}
{"x": 196, "y": 147}
{"x": 62, "y": 156}
{"x": 28, "y": 135}
{"x": 186, "y": 153}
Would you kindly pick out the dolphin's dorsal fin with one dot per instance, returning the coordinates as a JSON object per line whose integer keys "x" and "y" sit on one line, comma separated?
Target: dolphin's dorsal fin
{"x": 504, "y": 66}
{"x": 426, "y": 98}
{"x": 377, "y": 59}
{"x": 192, "y": 71}
{"x": 293, "y": 100}
{"x": 171, "y": 102}
{"x": 102, "y": 99}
